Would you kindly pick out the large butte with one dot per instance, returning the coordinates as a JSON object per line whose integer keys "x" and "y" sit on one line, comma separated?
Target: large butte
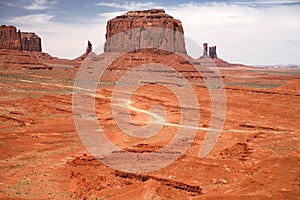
{"x": 144, "y": 29}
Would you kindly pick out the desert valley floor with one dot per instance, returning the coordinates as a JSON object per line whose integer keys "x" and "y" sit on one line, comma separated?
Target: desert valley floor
{"x": 256, "y": 157}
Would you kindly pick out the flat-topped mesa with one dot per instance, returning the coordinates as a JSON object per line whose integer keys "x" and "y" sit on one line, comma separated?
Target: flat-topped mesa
{"x": 144, "y": 29}
{"x": 12, "y": 39}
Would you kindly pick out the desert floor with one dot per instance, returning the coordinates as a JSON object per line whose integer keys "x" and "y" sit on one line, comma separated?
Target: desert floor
{"x": 257, "y": 155}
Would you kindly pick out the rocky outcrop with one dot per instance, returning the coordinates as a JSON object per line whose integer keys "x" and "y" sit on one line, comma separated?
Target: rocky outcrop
{"x": 213, "y": 52}
{"x": 210, "y": 59}
{"x": 11, "y": 39}
{"x": 144, "y": 29}
{"x": 89, "y": 48}
{"x": 30, "y": 42}
{"x": 194, "y": 189}
{"x": 204, "y": 49}
{"x": 23, "y": 50}
{"x": 15, "y": 59}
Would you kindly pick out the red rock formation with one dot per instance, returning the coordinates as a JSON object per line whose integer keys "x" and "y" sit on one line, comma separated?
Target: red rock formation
{"x": 15, "y": 59}
{"x": 89, "y": 48}
{"x": 204, "y": 49}
{"x": 168, "y": 35}
{"x": 31, "y": 42}
{"x": 213, "y": 52}
{"x": 12, "y": 40}
{"x": 23, "y": 50}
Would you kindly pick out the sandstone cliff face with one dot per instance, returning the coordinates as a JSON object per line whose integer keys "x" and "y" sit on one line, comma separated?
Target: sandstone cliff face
{"x": 30, "y": 42}
{"x": 12, "y": 40}
{"x": 144, "y": 29}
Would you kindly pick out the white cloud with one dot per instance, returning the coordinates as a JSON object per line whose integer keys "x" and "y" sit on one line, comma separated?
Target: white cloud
{"x": 244, "y": 34}
{"x": 109, "y": 15}
{"x": 34, "y": 19}
{"x": 40, "y": 5}
{"x": 251, "y": 2}
{"x": 10, "y": 4}
{"x": 130, "y": 5}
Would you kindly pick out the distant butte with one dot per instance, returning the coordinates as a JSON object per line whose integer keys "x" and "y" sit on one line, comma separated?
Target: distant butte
{"x": 136, "y": 33}
{"x": 12, "y": 39}
{"x": 134, "y": 30}
{"x": 24, "y": 50}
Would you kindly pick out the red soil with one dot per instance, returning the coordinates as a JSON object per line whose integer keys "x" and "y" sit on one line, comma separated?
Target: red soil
{"x": 256, "y": 157}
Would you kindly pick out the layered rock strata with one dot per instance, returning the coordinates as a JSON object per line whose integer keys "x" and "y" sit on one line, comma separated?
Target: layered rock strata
{"x": 144, "y": 29}
{"x": 11, "y": 39}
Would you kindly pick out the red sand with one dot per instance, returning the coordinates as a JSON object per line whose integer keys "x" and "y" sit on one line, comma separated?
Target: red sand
{"x": 256, "y": 157}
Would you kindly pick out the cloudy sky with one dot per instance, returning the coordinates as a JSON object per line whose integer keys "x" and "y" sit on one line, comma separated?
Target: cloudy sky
{"x": 245, "y": 31}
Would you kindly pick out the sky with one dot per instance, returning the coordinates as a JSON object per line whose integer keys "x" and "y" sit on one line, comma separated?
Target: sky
{"x": 251, "y": 32}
